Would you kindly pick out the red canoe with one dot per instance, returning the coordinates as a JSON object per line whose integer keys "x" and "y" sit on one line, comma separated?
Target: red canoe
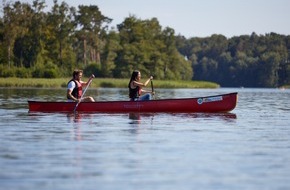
{"x": 218, "y": 103}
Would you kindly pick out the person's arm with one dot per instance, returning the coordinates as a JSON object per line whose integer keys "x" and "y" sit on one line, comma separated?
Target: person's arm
{"x": 142, "y": 84}
{"x": 86, "y": 83}
{"x": 71, "y": 96}
{"x": 147, "y": 91}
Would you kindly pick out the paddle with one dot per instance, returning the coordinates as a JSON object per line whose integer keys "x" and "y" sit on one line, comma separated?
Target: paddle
{"x": 152, "y": 88}
{"x": 82, "y": 95}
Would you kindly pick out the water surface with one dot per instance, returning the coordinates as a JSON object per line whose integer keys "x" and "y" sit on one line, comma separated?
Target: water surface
{"x": 248, "y": 148}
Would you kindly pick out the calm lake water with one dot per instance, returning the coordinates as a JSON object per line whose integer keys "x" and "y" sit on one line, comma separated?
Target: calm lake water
{"x": 248, "y": 148}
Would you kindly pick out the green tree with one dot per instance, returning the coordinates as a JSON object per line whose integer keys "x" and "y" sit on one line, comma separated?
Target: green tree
{"x": 15, "y": 25}
{"x": 268, "y": 72}
{"x": 109, "y": 54}
{"x": 92, "y": 26}
{"x": 148, "y": 48}
{"x": 60, "y": 27}
{"x": 27, "y": 47}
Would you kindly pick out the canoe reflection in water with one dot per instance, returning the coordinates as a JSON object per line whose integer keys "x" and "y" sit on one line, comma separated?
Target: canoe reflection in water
{"x": 136, "y": 118}
{"x": 75, "y": 117}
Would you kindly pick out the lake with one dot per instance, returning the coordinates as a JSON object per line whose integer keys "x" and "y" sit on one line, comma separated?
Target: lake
{"x": 248, "y": 148}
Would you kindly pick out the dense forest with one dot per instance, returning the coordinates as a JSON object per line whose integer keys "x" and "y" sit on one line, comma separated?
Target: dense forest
{"x": 50, "y": 44}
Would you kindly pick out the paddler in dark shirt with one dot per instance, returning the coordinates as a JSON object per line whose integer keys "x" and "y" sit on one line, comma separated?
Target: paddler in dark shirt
{"x": 135, "y": 87}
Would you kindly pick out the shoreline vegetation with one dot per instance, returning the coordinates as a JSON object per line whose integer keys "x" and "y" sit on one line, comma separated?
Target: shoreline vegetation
{"x": 98, "y": 83}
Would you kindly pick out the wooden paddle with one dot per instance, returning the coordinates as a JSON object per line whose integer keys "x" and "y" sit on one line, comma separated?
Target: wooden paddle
{"x": 83, "y": 95}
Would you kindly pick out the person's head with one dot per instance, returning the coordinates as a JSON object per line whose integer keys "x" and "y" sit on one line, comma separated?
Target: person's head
{"x": 77, "y": 74}
{"x": 135, "y": 75}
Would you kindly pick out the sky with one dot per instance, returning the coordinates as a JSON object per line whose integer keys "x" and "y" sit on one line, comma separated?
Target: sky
{"x": 200, "y": 18}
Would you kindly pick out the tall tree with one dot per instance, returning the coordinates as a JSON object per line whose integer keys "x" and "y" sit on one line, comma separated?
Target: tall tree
{"x": 16, "y": 17}
{"x": 109, "y": 54}
{"x": 92, "y": 31}
{"x": 60, "y": 23}
{"x": 148, "y": 48}
{"x": 28, "y": 46}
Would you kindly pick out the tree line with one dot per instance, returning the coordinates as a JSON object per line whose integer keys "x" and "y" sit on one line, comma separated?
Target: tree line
{"x": 50, "y": 44}
{"x": 243, "y": 61}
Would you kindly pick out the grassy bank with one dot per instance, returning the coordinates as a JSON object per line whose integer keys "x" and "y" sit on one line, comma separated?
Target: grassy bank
{"x": 99, "y": 82}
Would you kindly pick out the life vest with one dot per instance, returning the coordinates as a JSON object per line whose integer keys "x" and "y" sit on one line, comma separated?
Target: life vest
{"x": 134, "y": 92}
{"x": 77, "y": 91}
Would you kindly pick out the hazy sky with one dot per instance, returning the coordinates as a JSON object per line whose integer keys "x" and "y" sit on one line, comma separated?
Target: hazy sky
{"x": 200, "y": 18}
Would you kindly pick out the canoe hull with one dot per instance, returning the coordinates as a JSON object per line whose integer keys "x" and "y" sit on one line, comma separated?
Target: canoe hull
{"x": 218, "y": 103}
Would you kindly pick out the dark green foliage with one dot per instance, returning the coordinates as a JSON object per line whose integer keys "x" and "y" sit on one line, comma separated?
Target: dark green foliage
{"x": 6, "y": 72}
{"x": 248, "y": 60}
{"x": 92, "y": 69}
{"x": 22, "y": 72}
{"x": 50, "y": 73}
{"x": 37, "y": 73}
{"x": 48, "y": 70}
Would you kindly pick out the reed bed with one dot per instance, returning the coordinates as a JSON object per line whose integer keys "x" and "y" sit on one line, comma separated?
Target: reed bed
{"x": 99, "y": 82}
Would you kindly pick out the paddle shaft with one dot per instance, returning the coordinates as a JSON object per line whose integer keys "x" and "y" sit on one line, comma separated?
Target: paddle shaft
{"x": 152, "y": 88}
{"x": 83, "y": 95}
